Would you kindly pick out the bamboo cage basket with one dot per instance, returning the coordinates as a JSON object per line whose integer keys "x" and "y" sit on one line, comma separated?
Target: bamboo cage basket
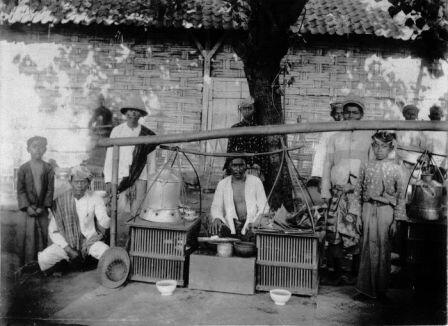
{"x": 161, "y": 250}
{"x": 287, "y": 261}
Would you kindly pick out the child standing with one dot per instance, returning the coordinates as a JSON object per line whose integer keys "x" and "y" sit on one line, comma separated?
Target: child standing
{"x": 35, "y": 188}
{"x": 379, "y": 195}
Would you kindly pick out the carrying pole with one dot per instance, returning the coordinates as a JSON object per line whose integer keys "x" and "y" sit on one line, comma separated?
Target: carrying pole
{"x": 277, "y": 130}
{"x": 113, "y": 222}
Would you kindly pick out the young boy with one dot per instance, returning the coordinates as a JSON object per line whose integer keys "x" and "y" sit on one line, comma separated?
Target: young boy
{"x": 380, "y": 199}
{"x": 35, "y": 188}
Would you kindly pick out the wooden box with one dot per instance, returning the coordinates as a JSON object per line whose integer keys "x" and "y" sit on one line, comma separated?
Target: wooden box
{"x": 222, "y": 274}
{"x": 161, "y": 250}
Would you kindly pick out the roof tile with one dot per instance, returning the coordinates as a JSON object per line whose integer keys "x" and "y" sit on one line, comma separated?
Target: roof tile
{"x": 322, "y": 17}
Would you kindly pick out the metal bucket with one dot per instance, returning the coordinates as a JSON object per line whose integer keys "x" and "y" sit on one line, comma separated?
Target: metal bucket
{"x": 426, "y": 202}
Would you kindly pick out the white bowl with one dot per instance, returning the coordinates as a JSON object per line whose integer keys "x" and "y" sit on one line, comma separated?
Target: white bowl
{"x": 166, "y": 287}
{"x": 280, "y": 296}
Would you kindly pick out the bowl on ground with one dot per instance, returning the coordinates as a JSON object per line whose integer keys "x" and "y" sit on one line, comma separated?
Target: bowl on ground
{"x": 280, "y": 296}
{"x": 166, "y": 287}
{"x": 245, "y": 249}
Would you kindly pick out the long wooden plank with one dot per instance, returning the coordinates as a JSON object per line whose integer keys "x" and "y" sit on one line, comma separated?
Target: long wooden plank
{"x": 277, "y": 130}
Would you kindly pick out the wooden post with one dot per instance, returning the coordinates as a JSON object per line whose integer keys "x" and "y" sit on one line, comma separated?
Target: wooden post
{"x": 207, "y": 54}
{"x": 113, "y": 222}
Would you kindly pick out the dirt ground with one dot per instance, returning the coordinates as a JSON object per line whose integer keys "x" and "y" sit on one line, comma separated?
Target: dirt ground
{"x": 76, "y": 298}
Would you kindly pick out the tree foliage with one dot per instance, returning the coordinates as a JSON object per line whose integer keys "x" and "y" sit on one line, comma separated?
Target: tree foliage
{"x": 429, "y": 19}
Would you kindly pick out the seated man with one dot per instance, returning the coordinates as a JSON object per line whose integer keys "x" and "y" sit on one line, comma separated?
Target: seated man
{"x": 239, "y": 199}
{"x": 78, "y": 221}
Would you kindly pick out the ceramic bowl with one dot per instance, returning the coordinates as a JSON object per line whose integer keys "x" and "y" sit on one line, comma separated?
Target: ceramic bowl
{"x": 280, "y": 296}
{"x": 245, "y": 249}
{"x": 166, "y": 287}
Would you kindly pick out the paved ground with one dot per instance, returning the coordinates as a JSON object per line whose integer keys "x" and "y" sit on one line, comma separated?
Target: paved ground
{"x": 76, "y": 298}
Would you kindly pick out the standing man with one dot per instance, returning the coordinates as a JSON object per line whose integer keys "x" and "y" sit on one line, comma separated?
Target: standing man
{"x": 435, "y": 113}
{"x": 410, "y": 139}
{"x": 410, "y": 112}
{"x": 346, "y": 150}
{"x": 319, "y": 156}
{"x": 248, "y": 144}
{"x": 132, "y": 174}
{"x": 436, "y": 143}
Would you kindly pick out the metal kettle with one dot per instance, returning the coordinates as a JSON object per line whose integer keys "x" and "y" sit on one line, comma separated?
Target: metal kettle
{"x": 426, "y": 200}
{"x": 162, "y": 201}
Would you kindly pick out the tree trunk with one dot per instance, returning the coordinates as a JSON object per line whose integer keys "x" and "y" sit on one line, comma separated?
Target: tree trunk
{"x": 263, "y": 86}
{"x": 261, "y": 49}
{"x": 262, "y": 53}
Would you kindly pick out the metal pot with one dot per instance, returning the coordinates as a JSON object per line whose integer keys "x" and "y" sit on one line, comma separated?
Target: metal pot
{"x": 426, "y": 202}
{"x": 245, "y": 249}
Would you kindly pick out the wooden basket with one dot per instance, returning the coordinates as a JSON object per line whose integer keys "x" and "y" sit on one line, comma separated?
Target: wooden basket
{"x": 287, "y": 261}
{"x": 161, "y": 250}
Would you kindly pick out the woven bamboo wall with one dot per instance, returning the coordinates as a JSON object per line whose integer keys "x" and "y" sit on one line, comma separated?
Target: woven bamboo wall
{"x": 168, "y": 69}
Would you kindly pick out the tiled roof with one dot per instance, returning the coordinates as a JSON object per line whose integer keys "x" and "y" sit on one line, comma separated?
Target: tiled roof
{"x": 342, "y": 17}
{"x": 206, "y": 14}
{"x": 320, "y": 17}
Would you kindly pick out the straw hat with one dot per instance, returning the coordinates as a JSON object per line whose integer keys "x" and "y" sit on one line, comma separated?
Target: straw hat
{"x": 134, "y": 103}
{"x": 113, "y": 267}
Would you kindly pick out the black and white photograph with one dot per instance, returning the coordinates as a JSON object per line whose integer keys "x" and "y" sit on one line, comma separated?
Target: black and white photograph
{"x": 223, "y": 162}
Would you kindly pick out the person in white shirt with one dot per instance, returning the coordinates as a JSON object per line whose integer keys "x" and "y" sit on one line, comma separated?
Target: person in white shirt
{"x": 78, "y": 223}
{"x": 319, "y": 155}
{"x": 132, "y": 172}
{"x": 410, "y": 143}
{"x": 238, "y": 201}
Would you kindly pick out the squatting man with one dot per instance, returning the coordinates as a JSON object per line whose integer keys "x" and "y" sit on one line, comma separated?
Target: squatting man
{"x": 78, "y": 224}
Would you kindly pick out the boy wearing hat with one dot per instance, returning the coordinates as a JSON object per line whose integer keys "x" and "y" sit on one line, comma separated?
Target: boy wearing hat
{"x": 35, "y": 188}
{"x": 380, "y": 201}
{"x": 132, "y": 174}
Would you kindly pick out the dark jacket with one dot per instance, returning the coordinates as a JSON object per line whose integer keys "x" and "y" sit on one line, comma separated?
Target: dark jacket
{"x": 26, "y": 193}
{"x": 139, "y": 157}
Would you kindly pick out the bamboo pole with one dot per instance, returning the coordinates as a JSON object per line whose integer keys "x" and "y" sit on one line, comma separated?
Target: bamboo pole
{"x": 218, "y": 154}
{"x": 113, "y": 224}
{"x": 277, "y": 130}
